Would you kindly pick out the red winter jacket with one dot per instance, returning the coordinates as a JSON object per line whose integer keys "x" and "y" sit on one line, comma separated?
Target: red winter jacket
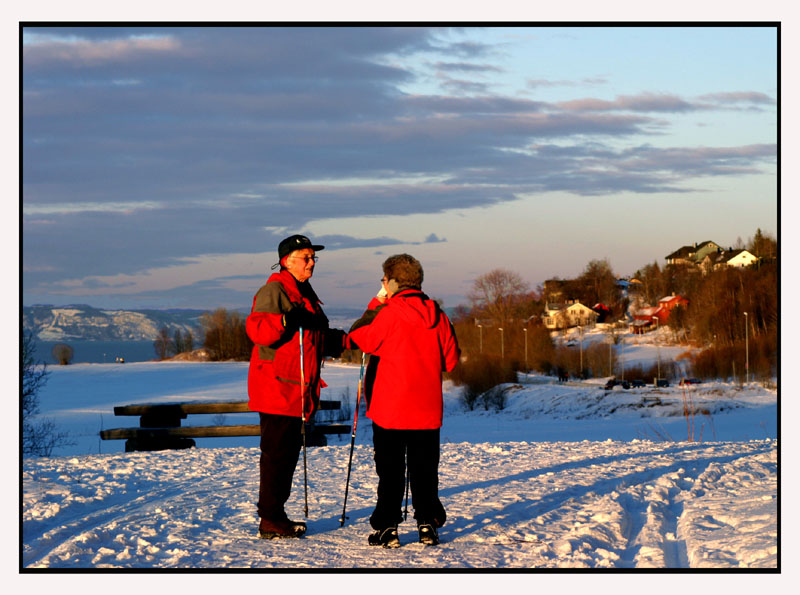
{"x": 273, "y": 380}
{"x": 415, "y": 342}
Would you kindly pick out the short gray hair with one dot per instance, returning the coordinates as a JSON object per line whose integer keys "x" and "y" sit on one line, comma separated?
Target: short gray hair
{"x": 405, "y": 270}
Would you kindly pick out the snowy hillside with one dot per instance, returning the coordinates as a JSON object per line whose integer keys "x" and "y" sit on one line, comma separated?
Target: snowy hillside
{"x": 81, "y": 322}
{"x": 567, "y": 476}
{"x": 85, "y": 323}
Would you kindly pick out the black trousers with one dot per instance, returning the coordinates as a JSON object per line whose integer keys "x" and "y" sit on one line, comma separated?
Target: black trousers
{"x": 392, "y": 449}
{"x": 281, "y": 441}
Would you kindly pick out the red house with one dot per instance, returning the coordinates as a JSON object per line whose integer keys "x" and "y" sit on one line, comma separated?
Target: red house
{"x": 667, "y": 304}
{"x": 644, "y": 318}
{"x": 603, "y": 312}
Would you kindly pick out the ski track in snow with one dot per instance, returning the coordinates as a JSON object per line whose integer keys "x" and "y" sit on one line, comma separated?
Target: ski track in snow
{"x": 608, "y": 504}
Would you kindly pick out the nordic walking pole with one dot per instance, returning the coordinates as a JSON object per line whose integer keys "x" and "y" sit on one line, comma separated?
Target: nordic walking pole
{"x": 303, "y": 417}
{"x": 405, "y": 512}
{"x": 353, "y": 438}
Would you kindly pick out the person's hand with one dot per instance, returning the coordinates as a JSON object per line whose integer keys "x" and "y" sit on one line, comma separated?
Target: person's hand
{"x": 349, "y": 343}
{"x": 382, "y": 295}
{"x": 335, "y": 342}
{"x": 299, "y": 317}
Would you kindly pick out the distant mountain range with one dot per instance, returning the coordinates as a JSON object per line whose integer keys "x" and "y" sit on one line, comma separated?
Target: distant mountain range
{"x": 85, "y": 323}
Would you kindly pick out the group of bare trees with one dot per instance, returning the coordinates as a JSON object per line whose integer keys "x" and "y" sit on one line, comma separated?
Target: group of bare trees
{"x": 166, "y": 346}
{"x": 499, "y": 334}
{"x": 504, "y": 319}
{"x": 225, "y": 335}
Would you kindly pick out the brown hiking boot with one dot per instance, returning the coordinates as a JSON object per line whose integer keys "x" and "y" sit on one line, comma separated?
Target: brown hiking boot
{"x": 268, "y": 529}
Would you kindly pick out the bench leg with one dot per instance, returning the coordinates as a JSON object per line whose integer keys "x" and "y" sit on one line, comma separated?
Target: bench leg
{"x": 316, "y": 437}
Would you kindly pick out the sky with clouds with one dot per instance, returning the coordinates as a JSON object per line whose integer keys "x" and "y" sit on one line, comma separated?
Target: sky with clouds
{"x": 161, "y": 166}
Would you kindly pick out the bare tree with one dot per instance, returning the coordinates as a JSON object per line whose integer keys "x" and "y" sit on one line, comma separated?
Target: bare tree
{"x": 178, "y": 341}
{"x": 34, "y": 376}
{"x": 163, "y": 344}
{"x": 498, "y": 294}
{"x": 63, "y": 353}
{"x": 599, "y": 284}
{"x": 763, "y": 245}
{"x": 39, "y": 437}
{"x": 188, "y": 341}
{"x": 652, "y": 282}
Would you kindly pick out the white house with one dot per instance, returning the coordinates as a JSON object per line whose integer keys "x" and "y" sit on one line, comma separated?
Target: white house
{"x": 557, "y": 316}
{"x": 731, "y": 258}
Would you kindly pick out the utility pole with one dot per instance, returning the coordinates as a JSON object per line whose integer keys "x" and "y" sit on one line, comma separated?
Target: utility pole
{"x": 480, "y": 330}
{"x": 502, "y": 345}
{"x": 658, "y": 346}
{"x": 746, "y": 349}
{"x": 525, "y": 331}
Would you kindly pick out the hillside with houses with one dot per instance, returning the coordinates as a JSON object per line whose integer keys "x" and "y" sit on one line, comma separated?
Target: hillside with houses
{"x": 720, "y": 302}
{"x": 562, "y": 310}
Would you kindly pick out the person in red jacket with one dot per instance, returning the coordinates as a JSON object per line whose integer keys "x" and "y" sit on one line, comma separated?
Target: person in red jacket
{"x": 411, "y": 342}
{"x": 284, "y": 305}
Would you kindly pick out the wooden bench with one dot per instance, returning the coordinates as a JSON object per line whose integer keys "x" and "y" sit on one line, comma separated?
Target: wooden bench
{"x": 160, "y": 425}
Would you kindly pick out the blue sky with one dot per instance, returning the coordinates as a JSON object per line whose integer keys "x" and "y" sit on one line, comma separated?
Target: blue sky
{"x": 162, "y": 166}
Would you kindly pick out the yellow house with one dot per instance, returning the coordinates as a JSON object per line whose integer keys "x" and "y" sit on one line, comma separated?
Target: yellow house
{"x": 558, "y": 316}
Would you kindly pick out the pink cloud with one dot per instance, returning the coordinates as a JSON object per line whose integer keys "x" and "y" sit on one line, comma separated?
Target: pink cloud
{"x": 96, "y": 52}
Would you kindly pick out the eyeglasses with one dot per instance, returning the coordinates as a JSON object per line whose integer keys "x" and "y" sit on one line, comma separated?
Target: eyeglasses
{"x": 306, "y": 259}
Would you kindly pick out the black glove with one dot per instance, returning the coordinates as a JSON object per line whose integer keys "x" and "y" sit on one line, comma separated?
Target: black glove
{"x": 300, "y": 317}
{"x": 334, "y": 342}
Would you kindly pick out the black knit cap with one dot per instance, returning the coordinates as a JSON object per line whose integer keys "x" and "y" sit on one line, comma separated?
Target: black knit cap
{"x": 296, "y": 242}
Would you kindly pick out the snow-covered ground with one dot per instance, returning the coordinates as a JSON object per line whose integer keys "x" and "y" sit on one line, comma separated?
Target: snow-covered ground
{"x": 567, "y": 476}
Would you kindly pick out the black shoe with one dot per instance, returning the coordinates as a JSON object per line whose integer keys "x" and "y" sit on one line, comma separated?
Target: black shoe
{"x": 299, "y": 528}
{"x": 268, "y": 529}
{"x": 385, "y": 537}
{"x": 427, "y": 534}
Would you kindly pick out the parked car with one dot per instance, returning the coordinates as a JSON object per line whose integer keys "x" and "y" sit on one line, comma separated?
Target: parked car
{"x": 637, "y": 383}
{"x": 614, "y": 382}
{"x": 662, "y": 382}
{"x": 685, "y": 381}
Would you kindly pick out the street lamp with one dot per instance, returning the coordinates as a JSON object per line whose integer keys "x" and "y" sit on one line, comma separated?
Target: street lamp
{"x": 502, "y": 345}
{"x": 658, "y": 346}
{"x": 746, "y": 349}
{"x": 525, "y": 330}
